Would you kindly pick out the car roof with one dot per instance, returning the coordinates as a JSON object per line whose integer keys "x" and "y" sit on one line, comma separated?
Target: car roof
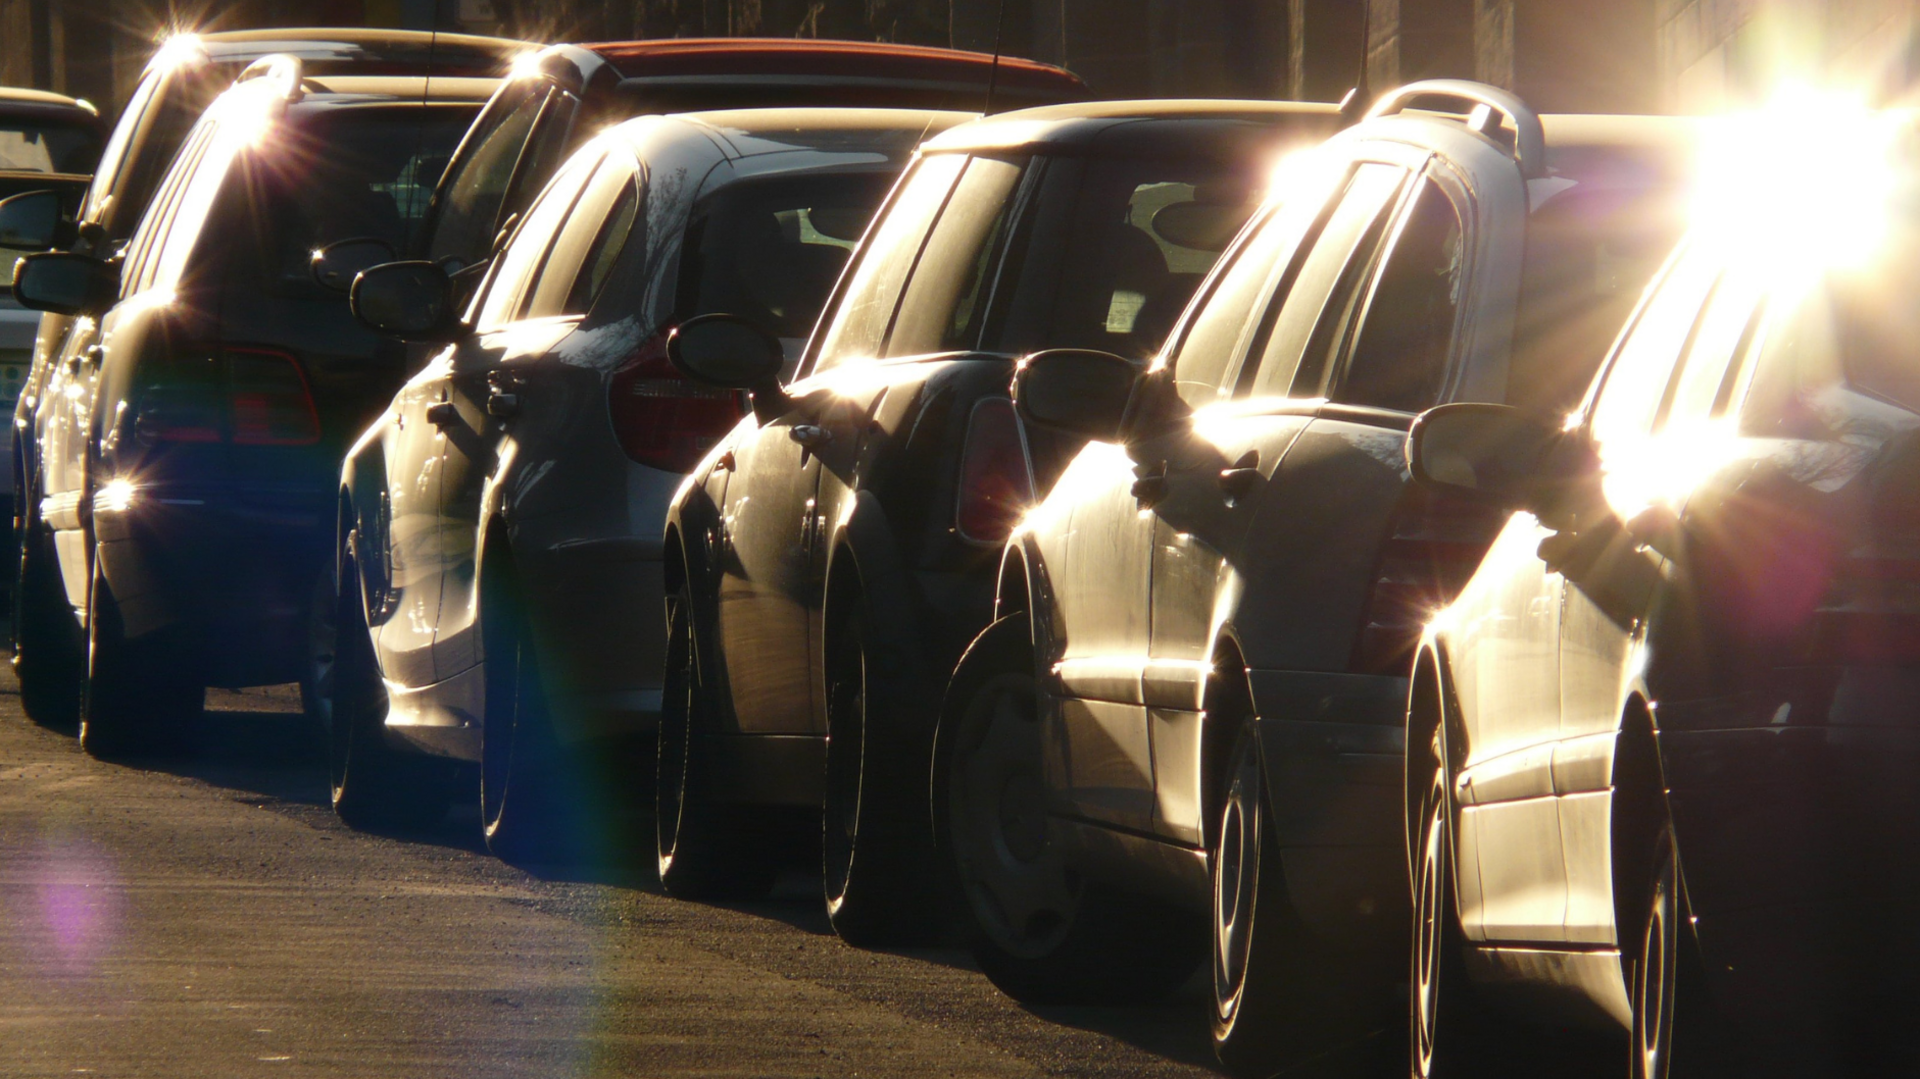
{"x": 814, "y": 61}
{"x": 747, "y": 132}
{"x": 20, "y": 101}
{"x": 336, "y": 90}
{"x": 1129, "y": 127}
{"x": 1629, "y": 149}
{"x": 336, "y": 49}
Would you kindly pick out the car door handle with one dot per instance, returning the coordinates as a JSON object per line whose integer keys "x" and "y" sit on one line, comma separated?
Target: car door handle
{"x": 1236, "y": 482}
{"x": 442, "y": 414}
{"x": 810, "y": 435}
{"x": 1149, "y": 489}
{"x": 725, "y": 463}
{"x": 502, "y": 405}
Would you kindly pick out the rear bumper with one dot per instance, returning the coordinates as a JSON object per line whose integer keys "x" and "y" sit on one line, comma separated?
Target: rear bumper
{"x": 1797, "y": 817}
{"x": 236, "y": 576}
{"x": 1335, "y": 747}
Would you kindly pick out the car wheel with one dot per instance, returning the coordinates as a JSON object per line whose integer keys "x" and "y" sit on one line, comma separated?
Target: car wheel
{"x": 372, "y": 785}
{"x": 1656, "y": 973}
{"x": 49, "y": 650}
{"x": 705, "y": 848}
{"x": 874, "y": 842}
{"x": 316, "y": 675}
{"x": 1043, "y": 933}
{"x": 522, "y": 812}
{"x": 140, "y": 694}
{"x": 1447, "y": 1030}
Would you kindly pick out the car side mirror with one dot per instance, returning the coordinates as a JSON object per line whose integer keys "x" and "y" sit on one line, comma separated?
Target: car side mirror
{"x": 409, "y": 300}
{"x": 64, "y": 283}
{"x": 1490, "y": 453}
{"x": 33, "y": 221}
{"x": 1080, "y": 391}
{"x": 727, "y": 350}
{"x": 337, "y": 264}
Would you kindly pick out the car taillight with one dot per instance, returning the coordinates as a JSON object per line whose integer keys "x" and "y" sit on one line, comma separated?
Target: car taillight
{"x": 996, "y": 484}
{"x": 662, "y": 418}
{"x": 250, "y": 397}
{"x": 1435, "y": 546}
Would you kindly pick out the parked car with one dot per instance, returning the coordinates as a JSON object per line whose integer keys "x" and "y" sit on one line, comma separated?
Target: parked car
{"x": 566, "y": 94}
{"x": 192, "y": 426}
{"x": 499, "y": 537}
{"x": 186, "y": 73}
{"x": 1661, "y": 748}
{"x": 829, "y": 560}
{"x": 1185, "y": 712}
{"x": 48, "y": 146}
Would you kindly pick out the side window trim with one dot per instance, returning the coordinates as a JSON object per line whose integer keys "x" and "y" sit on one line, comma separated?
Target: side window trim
{"x": 906, "y": 282}
{"x": 1011, "y": 240}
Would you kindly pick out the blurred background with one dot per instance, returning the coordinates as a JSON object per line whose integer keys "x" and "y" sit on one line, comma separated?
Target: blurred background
{"x": 1561, "y": 55}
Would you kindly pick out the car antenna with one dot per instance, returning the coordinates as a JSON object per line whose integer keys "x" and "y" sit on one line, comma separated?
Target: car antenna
{"x": 1354, "y": 105}
{"x": 993, "y": 72}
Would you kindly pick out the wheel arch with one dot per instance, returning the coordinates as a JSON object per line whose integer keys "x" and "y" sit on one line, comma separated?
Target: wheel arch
{"x": 1228, "y": 703}
{"x": 1639, "y": 815}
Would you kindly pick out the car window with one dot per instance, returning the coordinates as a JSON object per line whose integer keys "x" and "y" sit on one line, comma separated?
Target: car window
{"x": 548, "y": 147}
{"x": 1637, "y": 379}
{"x": 180, "y": 101}
{"x": 506, "y": 295}
{"x": 115, "y": 153}
{"x": 945, "y": 298}
{"x": 344, "y": 174}
{"x": 1727, "y": 329}
{"x": 43, "y": 146}
{"x": 468, "y": 216}
{"x": 592, "y": 217}
{"x": 865, "y": 311}
{"x": 1311, "y": 306}
{"x": 1399, "y": 358}
{"x": 144, "y": 248}
{"x": 770, "y": 249}
{"x": 1117, "y": 248}
{"x": 1590, "y": 250}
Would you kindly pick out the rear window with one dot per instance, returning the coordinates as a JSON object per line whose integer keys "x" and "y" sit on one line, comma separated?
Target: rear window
{"x": 361, "y": 172}
{"x": 1116, "y": 248}
{"x": 1852, "y": 330}
{"x": 1596, "y": 236}
{"x": 771, "y": 250}
{"x": 41, "y": 146}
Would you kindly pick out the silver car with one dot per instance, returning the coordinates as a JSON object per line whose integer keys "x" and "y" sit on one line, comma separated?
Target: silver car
{"x": 509, "y": 504}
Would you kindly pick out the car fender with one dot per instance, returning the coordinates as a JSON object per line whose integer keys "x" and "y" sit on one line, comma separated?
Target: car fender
{"x": 864, "y": 550}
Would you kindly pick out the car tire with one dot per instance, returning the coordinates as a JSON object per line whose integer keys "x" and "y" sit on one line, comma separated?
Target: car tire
{"x": 1449, "y": 1035}
{"x": 372, "y": 785}
{"x": 316, "y": 672}
{"x": 524, "y": 814}
{"x": 1043, "y": 934}
{"x": 1676, "y": 1030}
{"x": 875, "y": 840}
{"x": 141, "y": 695}
{"x": 1278, "y": 992}
{"x": 704, "y": 848}
{"x": 49, "y": 649}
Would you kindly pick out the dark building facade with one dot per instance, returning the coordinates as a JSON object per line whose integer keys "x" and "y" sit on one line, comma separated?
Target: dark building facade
{"x": 1562, "y": 55}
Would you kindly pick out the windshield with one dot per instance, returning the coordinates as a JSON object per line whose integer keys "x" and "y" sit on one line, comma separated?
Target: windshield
{"x": 1115, "y": 249}
{"x": 1592, "y": 245}
{"x": 45, "y": 146}
{"x": 352, "y": 174}
{"x": 771, "y": 250}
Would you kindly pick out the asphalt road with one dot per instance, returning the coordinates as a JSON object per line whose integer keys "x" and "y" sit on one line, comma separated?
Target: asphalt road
{"x": 209, "y": 917}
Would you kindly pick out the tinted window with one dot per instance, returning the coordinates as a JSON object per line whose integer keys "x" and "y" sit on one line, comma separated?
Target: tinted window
{"x": 1854, "y": 330}
{"x": 505, "y": 296}
{"x": 115, "y": 154}
{"x": 361, "y": 172}
{"x": 143, "y": 249}
{"x": 1400, "y": 356}
{"x": 592, "y": 218}
{"x": 32, "y": 146}
{"x": 467, "y": 218}
{"x": 1314, "y": 300}
{"x": 1105, "y": 265}
{"x": 179, "y": 102}
{"x": 770, "y": 250}
{"x": 945, "y": 301}
{"x": 865, "y": 310}
{"x": 1591, "y": 248}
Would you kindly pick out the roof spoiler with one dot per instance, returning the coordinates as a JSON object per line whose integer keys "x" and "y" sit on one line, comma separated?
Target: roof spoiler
{"x": 1488, "y": 107}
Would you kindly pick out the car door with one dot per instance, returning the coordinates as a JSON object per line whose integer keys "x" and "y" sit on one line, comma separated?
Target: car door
{"x": 772, "y": 566}
{"x": 513, "y": 330}
{"x": 1224, "y": 465}
{"x": 1654, "y": 427}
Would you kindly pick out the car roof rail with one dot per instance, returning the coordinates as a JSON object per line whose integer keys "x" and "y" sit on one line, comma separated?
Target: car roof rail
{"x": 1489, "y": 104}
{"x": 283, "y": 73}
